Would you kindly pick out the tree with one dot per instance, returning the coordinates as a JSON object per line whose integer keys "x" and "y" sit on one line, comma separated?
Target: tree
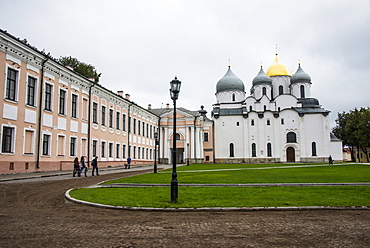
{"x": 82, "y": 68}
{"x": 354, "y": 129}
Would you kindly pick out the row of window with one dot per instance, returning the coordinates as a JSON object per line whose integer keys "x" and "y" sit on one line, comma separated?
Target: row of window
{"x": 269, "y": 149}
{"x": 139, "y": 127}
{"x": 107, "y": 149}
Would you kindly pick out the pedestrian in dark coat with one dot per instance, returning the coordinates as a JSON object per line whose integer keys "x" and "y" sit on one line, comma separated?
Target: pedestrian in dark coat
{"x": 94, "y": 164}
{"x": 76, "y": 167}
{"x": 83, "y": 165}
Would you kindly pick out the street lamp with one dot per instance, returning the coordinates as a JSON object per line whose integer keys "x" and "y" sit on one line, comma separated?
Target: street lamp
{"x": 155, "y": 151}
{"x": 174, "y": 92}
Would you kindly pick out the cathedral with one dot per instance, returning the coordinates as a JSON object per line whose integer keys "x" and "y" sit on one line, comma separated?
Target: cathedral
{"x": 278, "y": 122}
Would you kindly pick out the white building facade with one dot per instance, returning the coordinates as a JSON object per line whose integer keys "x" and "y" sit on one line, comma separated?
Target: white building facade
{"x": 278, "y": 122}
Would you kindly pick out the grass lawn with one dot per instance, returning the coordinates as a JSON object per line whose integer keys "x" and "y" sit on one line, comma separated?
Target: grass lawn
{"x": 158, "y": 197}
{"x": 257, "y": 173}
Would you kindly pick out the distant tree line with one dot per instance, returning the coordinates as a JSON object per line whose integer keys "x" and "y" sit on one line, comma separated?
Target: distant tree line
{"x": 82, "y": 68}
{"x": 353, "y": 128}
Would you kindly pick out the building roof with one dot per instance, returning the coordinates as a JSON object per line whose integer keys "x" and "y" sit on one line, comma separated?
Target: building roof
{"x": 278, "y": 69}
{"x": 262, "y": 78}
{"x": 229, "y": 82}
{"x": 300, "y": 76}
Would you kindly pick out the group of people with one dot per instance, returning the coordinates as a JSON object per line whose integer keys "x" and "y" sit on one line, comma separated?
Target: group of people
{"x": 80, "y": 166}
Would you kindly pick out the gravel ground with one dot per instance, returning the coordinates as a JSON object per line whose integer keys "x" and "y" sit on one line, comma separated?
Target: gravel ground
{"x": 34, "y": 213}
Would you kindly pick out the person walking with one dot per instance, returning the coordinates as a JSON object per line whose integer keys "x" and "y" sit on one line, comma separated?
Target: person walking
{"x": 94, "y": 164}
{"x": 330, "y": 160}
{"x": 128, "y": 162}
{"x": 83, "y": 165}
{"x": 76, "y": 167}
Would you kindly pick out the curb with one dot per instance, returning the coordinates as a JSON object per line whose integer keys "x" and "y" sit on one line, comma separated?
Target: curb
{"x": 215, "y": 209}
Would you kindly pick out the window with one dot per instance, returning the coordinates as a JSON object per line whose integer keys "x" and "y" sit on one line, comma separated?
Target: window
{"x": 237, "y": 123}
{"x": 151, "y": 131}
{"x": 207, "y": 158}
{"x": 31, "y": 91}
{"x": 61, "y": 145}
{"x": 117, "y": 150}
{"x": 11, "y": 85}
{"x": 231, "y": 149}
{"x": 205, "y": 137}
{"x": 62, "y": 102}
{"x": 134, "y": 126}
{"x": 111, "y": 118}
{"x": 124, "y": 122}
{"x": 138, "y": 127}
{"x": 143, "y": 124}
{"x": 291, "y": 137}
{"x": 264, "y": 107}
{"x": 233, "y": 97}
{"x": 84, "y": 109}
{"x": 252, "y": 122}
{"x": 129, "y": 124}
{"x": 147, "y": 153}
{"x": 94, "y": 147}
{"x": 72, "y": 151}
{"x": 103, "y": 110}
{"x": 250, "y": 108}
{"x": 303, "y": 93}
{"x": 46, "y": 144}
{"x": 103, "y": 149}
{"x": 254, "y": 153}
{"x": 178, "y": 137}
{"x": 143, "y": 152}
{"x": 129, "y": 151}
{"x": 28, "y": 142}
{"x": 110, "y": 150}
{"x": 134, "y": 151}
{"x": 281, "y": 90}
{"x": 117, "y": 120}
{"x": 48, "y": 95}
{"x": 138, "y": 152}
{"x": 268, "y": 122}
{"x": 124, "y": 151}
{"x": 150, "y": 153}
{"x": 74, "y": 105}
{"x": 95, "y": 113}
{"x": 264, "y": 91}
{"x": 147, "y": 130}
{"x": 313, "y": 145}
{"x": 269, "y": 150}
{"x": 8, "y": 139}
{"x": 282, "y": 121}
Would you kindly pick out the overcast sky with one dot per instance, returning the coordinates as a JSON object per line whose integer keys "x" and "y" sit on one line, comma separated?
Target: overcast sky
{"x": 140, "y": 46}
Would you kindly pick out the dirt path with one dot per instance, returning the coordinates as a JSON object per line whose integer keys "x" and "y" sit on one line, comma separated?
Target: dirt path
{"x": 36, "y": 214}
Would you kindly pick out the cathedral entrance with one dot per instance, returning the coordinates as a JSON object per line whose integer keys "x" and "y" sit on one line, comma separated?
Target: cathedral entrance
{"x": 290, "y": 155}
{"x": 179, "y": 155}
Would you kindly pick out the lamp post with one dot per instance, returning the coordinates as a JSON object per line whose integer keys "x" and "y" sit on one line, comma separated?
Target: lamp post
{"x": 155, "y": 151}
{"x": 174, "y": 92}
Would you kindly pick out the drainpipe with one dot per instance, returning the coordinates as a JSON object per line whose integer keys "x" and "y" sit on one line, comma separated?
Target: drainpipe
{"x": 89, "y": 124}
{"x": 39, "y": 123}
{"x": 195, "y": 140}
{"x": 129, "y": 130}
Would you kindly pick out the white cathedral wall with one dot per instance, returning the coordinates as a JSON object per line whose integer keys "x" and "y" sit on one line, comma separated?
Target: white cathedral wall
{"x": 226, "y": 96}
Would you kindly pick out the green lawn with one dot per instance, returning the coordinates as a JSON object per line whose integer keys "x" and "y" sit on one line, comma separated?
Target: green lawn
{"x": 158, "y": 197}
{"x": 266, "y": 173}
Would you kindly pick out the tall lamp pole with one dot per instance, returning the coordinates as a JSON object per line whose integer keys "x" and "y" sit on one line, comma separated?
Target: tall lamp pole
{"x": 155, "y": 151}
{"x": 174, "y": 92}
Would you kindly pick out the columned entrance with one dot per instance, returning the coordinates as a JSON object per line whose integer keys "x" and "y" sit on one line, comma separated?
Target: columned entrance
{"x": 179, "y": 156}
{"x": 290, "y": 155}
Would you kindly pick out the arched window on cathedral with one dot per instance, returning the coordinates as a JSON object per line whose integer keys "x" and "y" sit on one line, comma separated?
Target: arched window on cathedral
{"x": 264, "y": 107}
{"x": 264, "y": 91}
{"x": 268, "y": 123}
{"x": 269, "y": 150}
{"x": 291, "y": 137}
{"x": 231, "y": 149}
{"x": 250, "y": 108}
{"x": 303, "y": 93}
{"x": 281, "y": 90}
{"x": 254, "y": 154}
{"x": 178, "y": 136}
{"x": 233, "y": 97}
{"x": 313, "y": 145}
{"x": 252, "y": 122}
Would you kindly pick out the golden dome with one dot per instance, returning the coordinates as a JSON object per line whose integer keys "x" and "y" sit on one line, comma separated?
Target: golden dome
{"x": 278, "y": 69}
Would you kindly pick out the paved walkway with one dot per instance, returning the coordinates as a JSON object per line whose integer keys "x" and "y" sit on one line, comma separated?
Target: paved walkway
{"x": 61, "y": 175}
